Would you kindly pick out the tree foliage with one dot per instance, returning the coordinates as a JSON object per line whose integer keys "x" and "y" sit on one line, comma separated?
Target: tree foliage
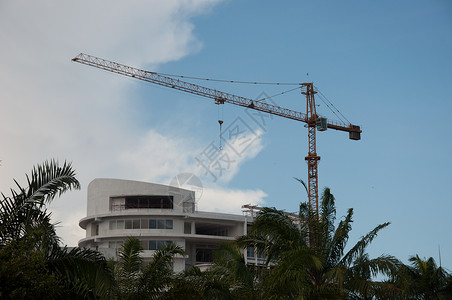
{"x": 307, "y": 256}
{"x": 423, "y": 280}
{"x": 139, "y": 280}
{"x": 33, "y": 264}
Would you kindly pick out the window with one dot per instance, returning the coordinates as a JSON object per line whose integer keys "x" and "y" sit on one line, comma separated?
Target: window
{"x": 128, "y": 224}
{"x": 152, "y": 245}
{"x": 136, "y": 224}
{"x": 144, "y": 223}
{"x": 115, "y": 244}
{"x": 204, "y": 255}
{"x": 250, "y": 252}
{"x": 169, "y": 224}
{"x": 160, "y": 224}
{"x": 120, "y": 224}
{"x": 141, "y": 224}
{"x": 161, "y": 244}
{"x": 94, "y": 229}
{"x": 144, "y": 245}
{"x": 132, "y": 202}
{"x": 158, "y": 244}
{"x": 187, "y": 227}
{"x": 152, "y": 224}
{"x": 211, "y": 229}
{"x": 138, "y": 202}
{"x": 117, "y": 203}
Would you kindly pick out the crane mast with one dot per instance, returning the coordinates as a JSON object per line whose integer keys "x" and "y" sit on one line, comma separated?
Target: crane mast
{"x": 311, "y": 118}
{"x": 312, "y": 158}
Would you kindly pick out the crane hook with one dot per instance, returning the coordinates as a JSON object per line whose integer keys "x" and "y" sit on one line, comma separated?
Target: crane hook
{"x": 221, "y": 123}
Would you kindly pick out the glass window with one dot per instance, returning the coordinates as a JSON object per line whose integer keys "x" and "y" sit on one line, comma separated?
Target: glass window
{"x": 152, "y": 245}
{"x": 158, "y": 244}
{"x": 120, "y": 224}
{"x": 112, "y": 225}
{"x": 145, "y": 245}
{"x": 131, "y": 202}
{"x": 250, "y": 252}
{"x": 161, "y": 244}
{"x": 128, "y": 224}
{"x": 144, "y": 223}
{"x": 204, "y": 255}
{"x": 152, "y": 224}
{"x": 187, "y": 227}
{"x": 161, "y": 224}
{"x": 143, "y": 202}
{"x": 155, "y": 201}
{"x": 169, "y": 224}
{"x": 136, "y": 224}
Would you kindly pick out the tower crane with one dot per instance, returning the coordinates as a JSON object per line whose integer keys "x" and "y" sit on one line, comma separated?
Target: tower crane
{"x": 313, "y": 121}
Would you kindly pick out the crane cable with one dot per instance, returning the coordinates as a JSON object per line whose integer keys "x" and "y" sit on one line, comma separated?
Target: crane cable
{"x": 279, "y": 94}
{"x": 229, "y": 81}
{"x": 220, "y": 121}
{"x": 299, "y": 85}
{"x": 331, "y": 106}
{"x": 324, "y": 99}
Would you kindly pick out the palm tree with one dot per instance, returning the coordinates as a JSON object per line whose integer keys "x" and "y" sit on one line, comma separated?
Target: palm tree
{"x": 230, "y": 266}
{"x": 25, "y": 210}
{"x": 423, "y": 279}
{"x": 128, "y": 267}
{"x": 197, "y": 284}
{"x": 306, "y": 254}
{"x": 138, "y": 281}
{"x": 33, "y": 263}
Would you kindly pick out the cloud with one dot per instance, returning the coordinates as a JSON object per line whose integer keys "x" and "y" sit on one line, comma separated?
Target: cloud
{"x": 229, "y": 200}
{"x": 158, "y": 157}
{"x": 161, "y": 158}
{"x": 52, "y": 108}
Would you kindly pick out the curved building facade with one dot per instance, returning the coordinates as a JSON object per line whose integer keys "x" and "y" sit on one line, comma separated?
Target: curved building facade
{"x": 155, "y": 214}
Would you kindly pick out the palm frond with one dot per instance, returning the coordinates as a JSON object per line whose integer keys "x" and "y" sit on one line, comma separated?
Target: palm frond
{"x": 157, "y": 276}
{"x": 24, "y": 208}
{"x": 129, "y": 256}
{"x": 361, "y": 245}
{"x": 337, "y": 243}
{"x": 49, "y": 180}
{"x": 230, "y": 264}
{"x": 303, "y": 183}
{"x": 83, "y": 272}
{"x": 272, "y": 231}
{"x": 328, "y": 211}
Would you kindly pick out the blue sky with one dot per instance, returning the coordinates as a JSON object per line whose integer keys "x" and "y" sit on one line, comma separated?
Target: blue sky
{"x": 385, "y": 65}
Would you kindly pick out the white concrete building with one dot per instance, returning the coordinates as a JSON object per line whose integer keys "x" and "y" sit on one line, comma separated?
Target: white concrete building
{"x": 156, "y": 214}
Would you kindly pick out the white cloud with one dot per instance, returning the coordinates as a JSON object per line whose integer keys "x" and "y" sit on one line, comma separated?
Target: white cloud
{"x": 52, "y": 108}
{"x": 161, "y": 158}
{"x": 228, "y": 200}
{"x": 158, "y": 158}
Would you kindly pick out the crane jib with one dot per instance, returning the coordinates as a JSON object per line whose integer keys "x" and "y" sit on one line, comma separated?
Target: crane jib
{"x": 218, "y": 96}
{"x": 314, "y": 121}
